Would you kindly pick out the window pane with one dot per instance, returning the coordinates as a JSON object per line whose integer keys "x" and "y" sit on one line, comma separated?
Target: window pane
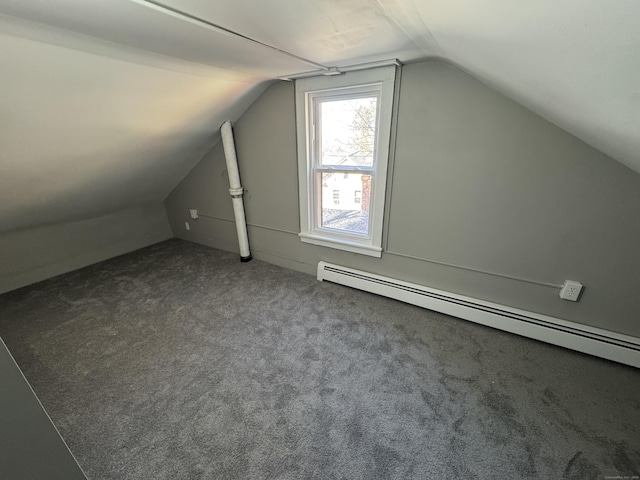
{"x": 345, "y": 202}
{"x": 348, "y": 131}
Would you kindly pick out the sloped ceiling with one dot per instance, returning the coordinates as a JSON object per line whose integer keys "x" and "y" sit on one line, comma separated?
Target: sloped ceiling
{"x": 109, "y": 103}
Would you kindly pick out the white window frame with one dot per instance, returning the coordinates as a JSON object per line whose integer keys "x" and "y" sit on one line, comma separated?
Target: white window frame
{"x": 379, "y": 82}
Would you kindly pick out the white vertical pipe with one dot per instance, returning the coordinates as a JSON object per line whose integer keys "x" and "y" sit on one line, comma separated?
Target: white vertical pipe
{"x": 236, "y": 190}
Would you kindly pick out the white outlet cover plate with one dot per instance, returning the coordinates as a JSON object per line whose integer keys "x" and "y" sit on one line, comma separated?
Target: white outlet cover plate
{"x": 571, "y": 290}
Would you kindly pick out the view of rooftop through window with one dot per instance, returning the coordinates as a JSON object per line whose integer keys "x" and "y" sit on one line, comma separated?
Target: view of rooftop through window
{"x": 348, "y": 135}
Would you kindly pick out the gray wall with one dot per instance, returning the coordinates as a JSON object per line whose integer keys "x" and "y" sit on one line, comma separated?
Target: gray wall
{"x": 30, "y": 446}
{"x": 33, "y": 254}
{"x": 480, "y": 183}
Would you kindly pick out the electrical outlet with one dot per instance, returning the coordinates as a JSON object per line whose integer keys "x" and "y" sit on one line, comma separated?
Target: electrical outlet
{"x": 187, "y": 226}
{"x": 571, "y": 290}
{"x": 194, "y": 213}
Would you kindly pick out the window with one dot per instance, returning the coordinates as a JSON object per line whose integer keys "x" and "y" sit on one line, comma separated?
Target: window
{"x": 344, "y": 125}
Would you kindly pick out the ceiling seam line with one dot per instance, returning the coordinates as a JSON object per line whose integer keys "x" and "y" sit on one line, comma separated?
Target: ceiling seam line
{"x": 207, "y": 24}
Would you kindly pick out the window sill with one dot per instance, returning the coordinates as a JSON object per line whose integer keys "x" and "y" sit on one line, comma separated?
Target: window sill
{"x": 341, "y": 244}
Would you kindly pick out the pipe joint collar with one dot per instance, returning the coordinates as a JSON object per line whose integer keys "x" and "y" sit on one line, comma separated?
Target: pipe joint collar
{"x": 236, "y": 192}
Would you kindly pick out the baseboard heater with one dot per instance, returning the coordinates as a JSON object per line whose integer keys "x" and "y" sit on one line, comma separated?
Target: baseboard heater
{"x": 582, "y": 338}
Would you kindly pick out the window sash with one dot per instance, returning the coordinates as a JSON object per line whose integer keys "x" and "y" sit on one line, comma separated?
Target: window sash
{"x": 316, "y": 213}
{"x": 316, "y": 98}
{"x": 314, "y": 101}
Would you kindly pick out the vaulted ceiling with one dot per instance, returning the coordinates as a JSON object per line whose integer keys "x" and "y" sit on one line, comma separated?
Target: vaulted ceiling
{"x": 108, "y": 103}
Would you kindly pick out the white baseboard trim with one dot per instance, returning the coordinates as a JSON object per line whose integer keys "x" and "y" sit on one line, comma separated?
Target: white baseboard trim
{"x": 582, "y": 338}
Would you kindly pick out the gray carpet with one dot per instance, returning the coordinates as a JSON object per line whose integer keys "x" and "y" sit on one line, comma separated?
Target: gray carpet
{"x": 179, "y": 362}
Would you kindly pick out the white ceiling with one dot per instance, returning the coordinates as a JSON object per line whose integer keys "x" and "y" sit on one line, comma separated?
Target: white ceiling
{"x": 108, "y": 103}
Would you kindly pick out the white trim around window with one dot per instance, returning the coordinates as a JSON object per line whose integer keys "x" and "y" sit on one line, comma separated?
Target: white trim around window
{"x": 316, "y": 173}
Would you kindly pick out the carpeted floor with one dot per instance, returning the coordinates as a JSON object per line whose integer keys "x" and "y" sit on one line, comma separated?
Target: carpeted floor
{"x": 179, "y": 362}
